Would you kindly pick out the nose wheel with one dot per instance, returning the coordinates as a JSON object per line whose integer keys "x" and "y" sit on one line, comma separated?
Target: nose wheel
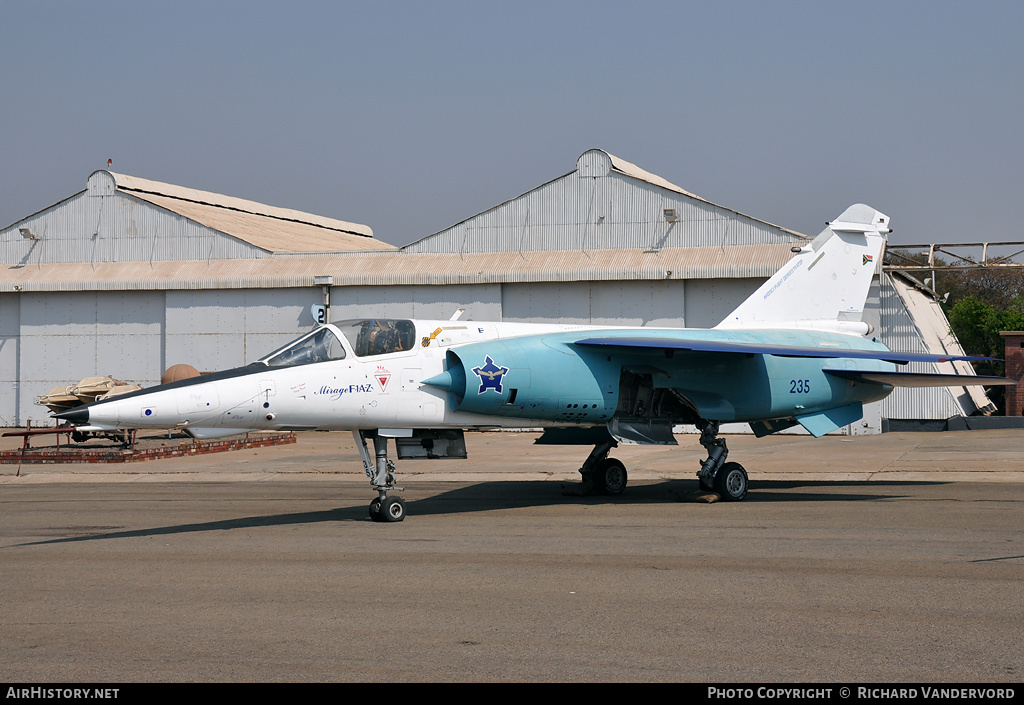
{"x": 387, "y": 509}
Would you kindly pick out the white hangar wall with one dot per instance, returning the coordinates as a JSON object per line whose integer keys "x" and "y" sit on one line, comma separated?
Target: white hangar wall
{"x": 10, "y": 377}
{"x": 224, "y": 328}
{"x": 49, "y": 339}
{"x": 483, "y": 302}
{"x": 674, "y": 304}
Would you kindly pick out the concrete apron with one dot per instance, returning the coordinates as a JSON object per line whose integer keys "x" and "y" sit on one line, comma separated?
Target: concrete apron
{"x": 951, "y": 456}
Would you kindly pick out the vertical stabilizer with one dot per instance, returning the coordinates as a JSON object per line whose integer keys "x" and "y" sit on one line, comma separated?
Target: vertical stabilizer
{"x": 825, "y": 285}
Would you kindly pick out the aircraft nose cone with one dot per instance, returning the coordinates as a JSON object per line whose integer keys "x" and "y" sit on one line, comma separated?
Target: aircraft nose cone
{"x": 77, "y": 416}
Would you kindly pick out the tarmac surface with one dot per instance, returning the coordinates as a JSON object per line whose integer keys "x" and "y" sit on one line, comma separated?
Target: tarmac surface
{"x": 951, "y": 456}
{"x": 888, "y": 558}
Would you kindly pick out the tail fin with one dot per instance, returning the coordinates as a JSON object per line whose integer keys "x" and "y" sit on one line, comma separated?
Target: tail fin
{"x": 825, "y": 286}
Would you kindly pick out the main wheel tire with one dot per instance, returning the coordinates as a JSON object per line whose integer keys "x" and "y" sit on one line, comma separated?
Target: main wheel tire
{"x": 392, "y": 509}
{"x": 731, "y": 482}
{"x": 610, "y": 476}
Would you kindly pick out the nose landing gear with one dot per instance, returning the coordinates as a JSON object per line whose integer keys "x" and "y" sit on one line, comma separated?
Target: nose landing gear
{"x": 382, "y": 478}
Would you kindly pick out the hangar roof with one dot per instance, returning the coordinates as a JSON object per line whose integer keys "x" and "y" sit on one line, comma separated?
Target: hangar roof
{"x": 267, "y": 227}
{"x": 604, "y": 203}
{"x": 397, "y": 268}
{"x": 120, "y": 218}
{"x": 553, "y": 235}
{"x": 629, "y": 169}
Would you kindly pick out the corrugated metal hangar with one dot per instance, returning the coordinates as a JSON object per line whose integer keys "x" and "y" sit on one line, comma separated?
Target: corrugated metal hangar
{"x": 131, "y": 276}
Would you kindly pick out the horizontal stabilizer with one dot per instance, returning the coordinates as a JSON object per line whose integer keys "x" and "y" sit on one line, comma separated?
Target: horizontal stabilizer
{"x": 720, "y": 346}
{"x": 923, "y": 379}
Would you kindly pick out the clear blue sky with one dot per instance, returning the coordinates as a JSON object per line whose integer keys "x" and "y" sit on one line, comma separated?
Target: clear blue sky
{"x": 411, "y": 116}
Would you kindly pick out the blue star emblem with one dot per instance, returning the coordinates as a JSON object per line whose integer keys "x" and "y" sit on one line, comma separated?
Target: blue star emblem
{"x": 490, "y": 375}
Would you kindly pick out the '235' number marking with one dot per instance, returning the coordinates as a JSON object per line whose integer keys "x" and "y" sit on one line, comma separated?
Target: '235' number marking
{"x": 799, "y": 386}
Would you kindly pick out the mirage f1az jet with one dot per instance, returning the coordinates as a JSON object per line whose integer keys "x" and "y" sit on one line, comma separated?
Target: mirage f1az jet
{"x": 796, "y": 352}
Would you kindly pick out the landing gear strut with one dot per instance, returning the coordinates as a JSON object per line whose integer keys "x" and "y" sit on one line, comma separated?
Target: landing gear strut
{"x": 727, "y": 479}
{"x": 382, "y": 478}
{"x": 608, "y": 474}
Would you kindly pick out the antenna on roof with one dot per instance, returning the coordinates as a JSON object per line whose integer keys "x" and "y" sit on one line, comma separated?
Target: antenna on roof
{"x": 110, "y": 163}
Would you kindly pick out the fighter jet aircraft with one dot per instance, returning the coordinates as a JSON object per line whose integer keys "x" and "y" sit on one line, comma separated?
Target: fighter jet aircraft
{"x": 796, "y": 352}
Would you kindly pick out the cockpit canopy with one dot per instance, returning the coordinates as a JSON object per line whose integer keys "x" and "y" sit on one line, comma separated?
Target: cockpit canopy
{"x": 367, "y": 337}
{"x": 378, "y": 336}
{"x": 319, "y": 346}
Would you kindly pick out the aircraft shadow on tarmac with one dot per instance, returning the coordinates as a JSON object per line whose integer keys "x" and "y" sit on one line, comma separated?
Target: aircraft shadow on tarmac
{"x": 486, "y": 496}
{"x": 503, "y": 495}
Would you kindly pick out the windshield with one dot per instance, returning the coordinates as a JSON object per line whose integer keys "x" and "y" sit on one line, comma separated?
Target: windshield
{"x": 319, "y": 346}
{"x": 378, "y": 336}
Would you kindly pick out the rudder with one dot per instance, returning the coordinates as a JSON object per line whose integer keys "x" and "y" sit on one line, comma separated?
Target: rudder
{"x": 825, "y": 285}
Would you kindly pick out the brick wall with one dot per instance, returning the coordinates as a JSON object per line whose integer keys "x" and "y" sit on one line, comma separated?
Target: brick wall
{"x": 1014, "y": 340}
{"x": 72, "y": 454}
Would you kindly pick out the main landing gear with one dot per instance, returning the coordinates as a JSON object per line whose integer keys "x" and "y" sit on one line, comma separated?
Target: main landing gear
{"x": 382, "y": 477}
{"x": 607, "y": 474}
{"x": 727, "y": 479}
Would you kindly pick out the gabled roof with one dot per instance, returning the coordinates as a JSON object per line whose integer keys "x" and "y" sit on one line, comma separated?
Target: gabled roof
{"x": 630, "y": 169}
{"x": 563, "y": 212}
{"x": 267, "y": 227}
{"x": 633, "y": 171}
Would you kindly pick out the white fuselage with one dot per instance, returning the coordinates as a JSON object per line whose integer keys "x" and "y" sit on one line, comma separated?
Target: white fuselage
{"x": 356, "y": 392}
